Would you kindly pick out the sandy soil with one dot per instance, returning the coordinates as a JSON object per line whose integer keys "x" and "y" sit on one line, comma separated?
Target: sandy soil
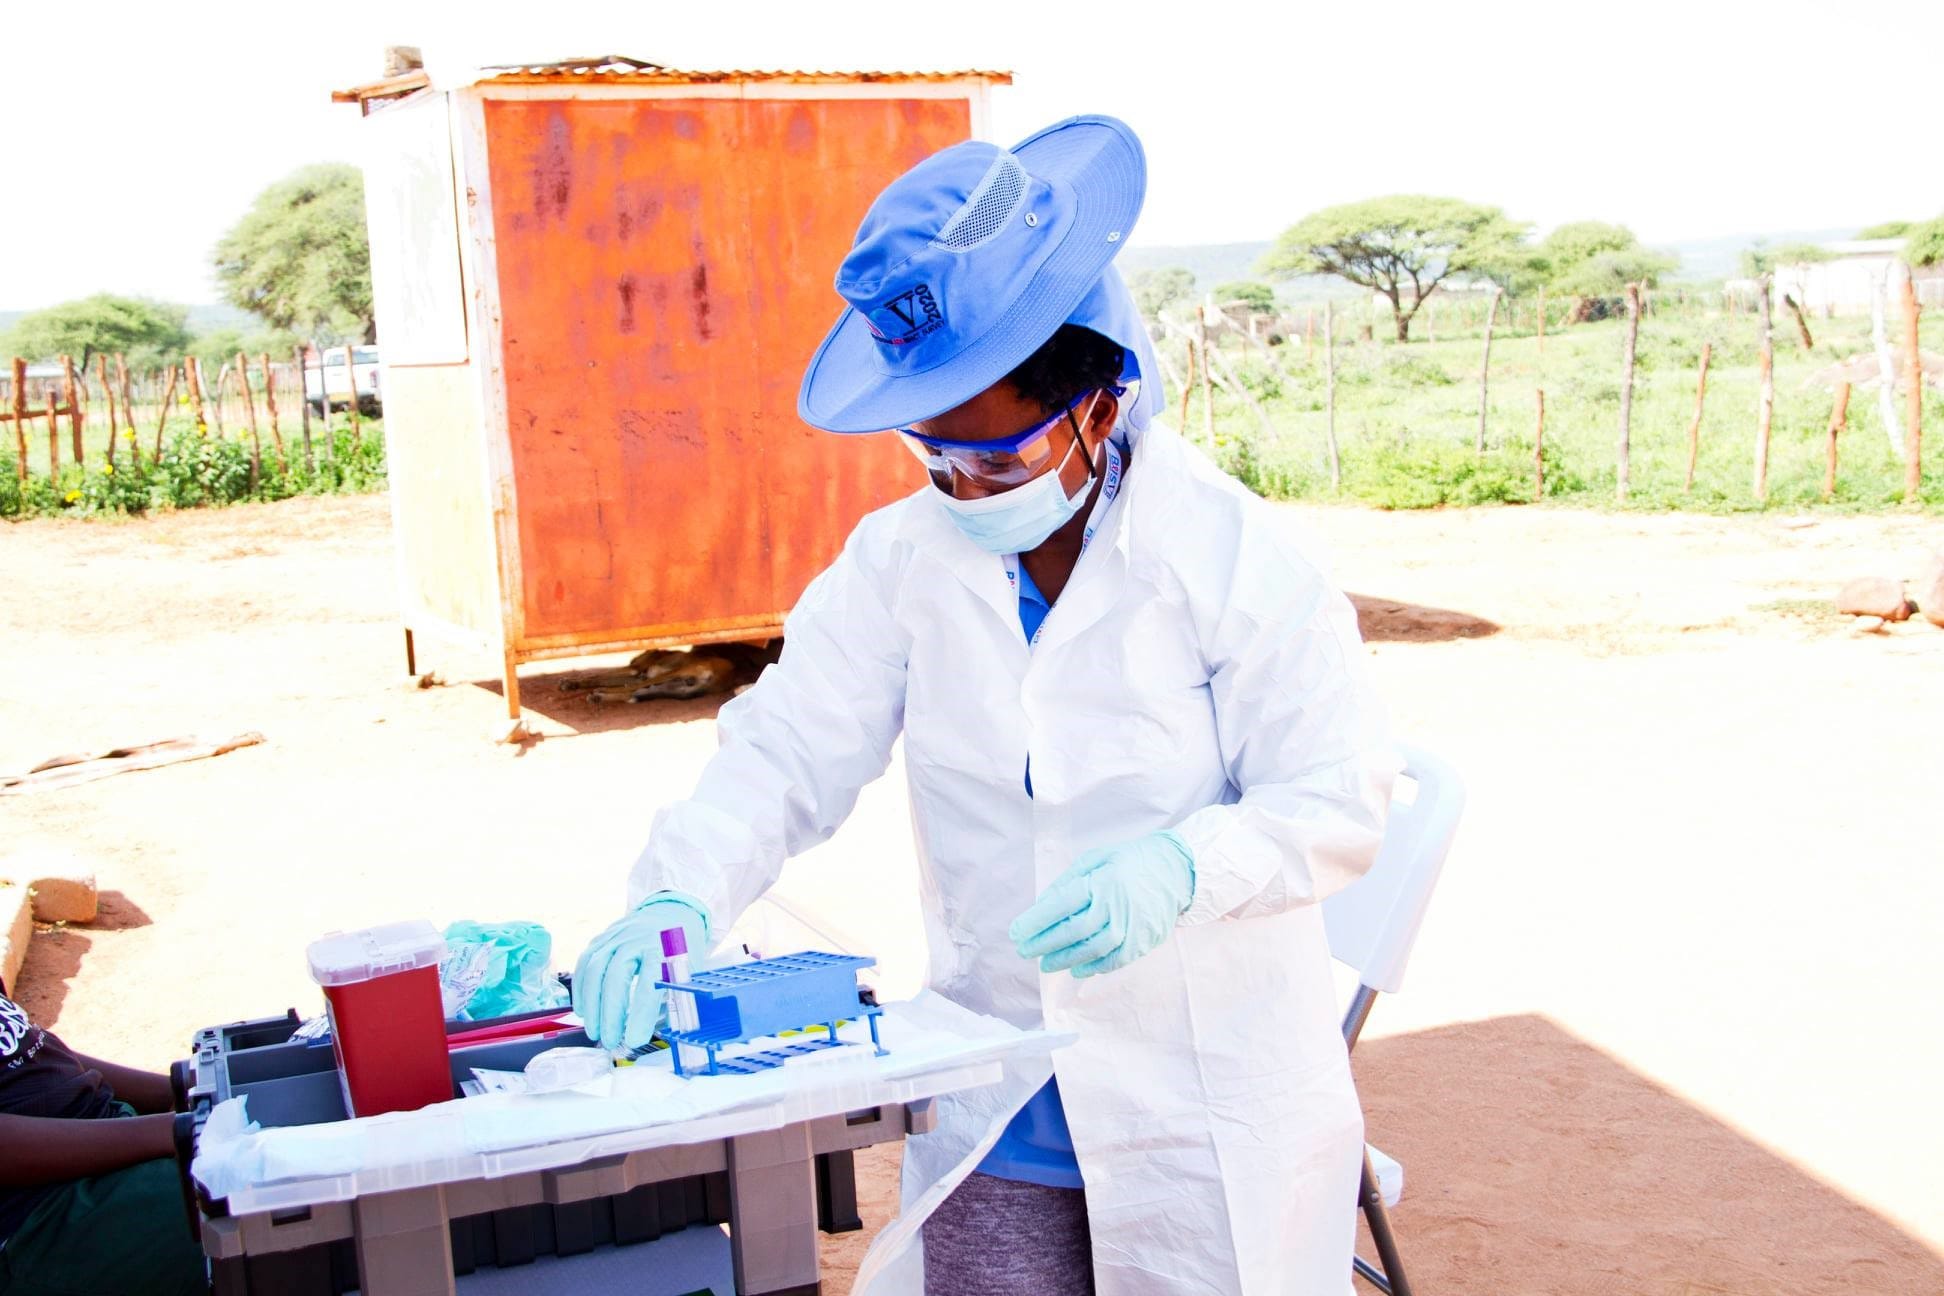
{"x": 1670, "y": 1027}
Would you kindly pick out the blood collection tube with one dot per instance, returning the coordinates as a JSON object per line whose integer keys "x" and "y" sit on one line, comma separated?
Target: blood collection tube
{"x": 681, "y": 1007}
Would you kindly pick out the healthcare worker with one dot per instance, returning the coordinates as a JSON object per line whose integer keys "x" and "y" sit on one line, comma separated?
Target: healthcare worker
{"x": 1140, "y": 744}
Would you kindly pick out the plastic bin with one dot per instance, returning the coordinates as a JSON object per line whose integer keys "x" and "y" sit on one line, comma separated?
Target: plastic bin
{"x": 289, "y": 1082}
{"x": 387, "y": 1024}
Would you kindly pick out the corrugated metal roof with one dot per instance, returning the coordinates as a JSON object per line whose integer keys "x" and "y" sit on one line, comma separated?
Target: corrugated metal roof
{"x": 615, "y": 68}
{"x": 618, "y": 69}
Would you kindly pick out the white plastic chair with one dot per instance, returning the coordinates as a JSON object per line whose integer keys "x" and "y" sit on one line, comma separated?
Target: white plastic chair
{"x": 1372, "y": 925}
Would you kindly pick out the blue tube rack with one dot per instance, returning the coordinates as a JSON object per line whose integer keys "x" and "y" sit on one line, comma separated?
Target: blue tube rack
{"x": 748, "y": 1001}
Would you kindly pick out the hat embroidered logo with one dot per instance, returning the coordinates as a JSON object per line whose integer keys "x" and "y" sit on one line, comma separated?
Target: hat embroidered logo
{"x": 907, "y": 317}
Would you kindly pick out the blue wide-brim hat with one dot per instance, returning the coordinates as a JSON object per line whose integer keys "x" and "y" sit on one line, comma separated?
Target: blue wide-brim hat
{"x": 965, "y": 265}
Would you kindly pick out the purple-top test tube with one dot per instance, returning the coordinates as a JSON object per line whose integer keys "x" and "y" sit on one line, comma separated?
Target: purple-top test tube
{"x": 681, "y": 1007}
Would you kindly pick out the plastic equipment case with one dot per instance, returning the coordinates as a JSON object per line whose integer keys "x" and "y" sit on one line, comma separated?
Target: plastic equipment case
{"x": 292, "y": 1082}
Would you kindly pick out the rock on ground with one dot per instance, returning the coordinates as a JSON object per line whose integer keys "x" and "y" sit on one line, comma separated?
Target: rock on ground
{"x": 1930, "y": 590}
{"x": 1874, "y": 596}
{"x": 69, "y": 897}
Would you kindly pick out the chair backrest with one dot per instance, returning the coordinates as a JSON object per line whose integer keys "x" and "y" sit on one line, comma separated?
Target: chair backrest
{"x": 1374, "y": 921}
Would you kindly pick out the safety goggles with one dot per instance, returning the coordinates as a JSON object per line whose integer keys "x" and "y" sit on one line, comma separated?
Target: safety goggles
{"x": 998, "y": 464}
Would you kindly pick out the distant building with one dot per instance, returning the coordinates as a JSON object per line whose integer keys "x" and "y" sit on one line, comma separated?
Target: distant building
{"x": 1845, "y": 284}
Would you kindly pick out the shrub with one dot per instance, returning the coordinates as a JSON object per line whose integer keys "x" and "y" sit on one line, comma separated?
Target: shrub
{"x": 198, "y": 468}
{"x": 1432, "y": 474}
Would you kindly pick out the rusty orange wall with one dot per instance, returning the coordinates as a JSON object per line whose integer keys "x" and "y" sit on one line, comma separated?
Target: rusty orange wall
{"x": 664, "y": 274}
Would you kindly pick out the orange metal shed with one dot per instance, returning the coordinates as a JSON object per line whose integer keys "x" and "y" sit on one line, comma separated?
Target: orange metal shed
{"x": 596, "y": 290}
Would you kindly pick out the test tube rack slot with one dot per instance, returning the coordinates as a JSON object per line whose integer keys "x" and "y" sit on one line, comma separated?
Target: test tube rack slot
{"x": 749, "y": 1001}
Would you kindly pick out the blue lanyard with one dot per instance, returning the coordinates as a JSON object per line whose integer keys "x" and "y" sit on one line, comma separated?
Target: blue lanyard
{"x": 1110, "y": 487}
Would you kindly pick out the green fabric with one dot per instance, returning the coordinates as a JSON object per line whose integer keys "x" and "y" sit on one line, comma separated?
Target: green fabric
{"x": 122, "y": 1232}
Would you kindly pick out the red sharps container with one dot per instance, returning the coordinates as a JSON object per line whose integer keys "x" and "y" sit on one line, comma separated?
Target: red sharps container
{"x": 387, "y": 1022}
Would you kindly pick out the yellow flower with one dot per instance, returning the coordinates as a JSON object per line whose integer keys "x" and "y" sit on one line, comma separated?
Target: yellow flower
{"x": 73, "y": 495}
{"x": 108, "y": 468}
{"x": 130, "y": 434}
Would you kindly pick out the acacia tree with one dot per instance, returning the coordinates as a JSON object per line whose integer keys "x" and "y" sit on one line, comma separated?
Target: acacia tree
{"x": 1924, "y": 243}
{"x": 1593, "y": 262}
{"x": 103, "y": 324}
{"x": 1258, "y": 297}
{"x": 1402, "y": 246}
{"x": 299, "y": 257}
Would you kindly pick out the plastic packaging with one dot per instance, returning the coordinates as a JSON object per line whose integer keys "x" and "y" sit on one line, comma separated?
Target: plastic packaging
{"x": 381, "y": 986}
{"x": 497, "y": 970}
{"x": 566, "y": 1068}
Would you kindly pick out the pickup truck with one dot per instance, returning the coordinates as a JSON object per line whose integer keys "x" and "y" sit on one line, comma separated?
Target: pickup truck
{"x": 343, "y": 371}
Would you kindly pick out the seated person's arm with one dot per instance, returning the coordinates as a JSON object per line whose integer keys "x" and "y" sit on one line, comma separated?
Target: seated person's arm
{"x": 42, "y": 1149}
{"x": 145, "y": 1091}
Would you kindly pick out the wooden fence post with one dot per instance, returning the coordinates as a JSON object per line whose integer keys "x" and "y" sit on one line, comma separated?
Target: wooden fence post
{"x": 128, "y": 408}
{"x": 75, "y": 418}
{"x": 20, "y": 416}
{"x": 1766, "y": 375}
{"x": 1485, "y": 366}
{"x": 351, "y": 377}
{"x": 1802, "y": 325}
{"x": 1626, "y": 393}
{"x": 53, "y": 397}
{"x": 1886, "y": 363}
{"x": 162, "y": 419}
{"x": 1329, "y": 389}
{"x": 1207, "y": 382}
{"x": 1838, "y": 419}
{"x": 270, "y": 403}
{"x": 1539, "y": 452}
{"x": 1914, "y": 374}
{"x": 303, "y": 391}
{"x": 107, "y": 390}
{"x": 192, "y": 380}
{"x": 1694, "y": 428}
{"x": 217, "y": 393}
{"x": 249, "y": 419}
{"x": 1188, "y": 386}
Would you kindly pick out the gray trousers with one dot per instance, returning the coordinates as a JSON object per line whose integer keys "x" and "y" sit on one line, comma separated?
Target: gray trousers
{"x": 1001, "y": 1237}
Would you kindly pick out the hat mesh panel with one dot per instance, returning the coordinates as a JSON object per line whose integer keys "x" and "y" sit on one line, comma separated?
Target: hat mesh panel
{"x": 987, "y": 208}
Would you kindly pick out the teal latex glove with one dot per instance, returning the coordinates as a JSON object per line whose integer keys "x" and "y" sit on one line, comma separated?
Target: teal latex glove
{"x": 614, "y": 982}
{"x": 1110, "y": 908}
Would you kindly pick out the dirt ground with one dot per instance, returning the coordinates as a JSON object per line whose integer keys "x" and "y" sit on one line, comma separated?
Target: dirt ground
{"x": 1671, "y": 1027}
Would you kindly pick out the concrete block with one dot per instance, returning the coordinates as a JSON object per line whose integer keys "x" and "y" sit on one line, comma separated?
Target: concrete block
{"x": 67, "y": 895}
{"x": 16, "y": 929}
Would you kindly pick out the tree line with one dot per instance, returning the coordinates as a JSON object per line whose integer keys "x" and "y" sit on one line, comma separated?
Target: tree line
{"x": 297, "y": 262}
{"x": 1405, "y": 247}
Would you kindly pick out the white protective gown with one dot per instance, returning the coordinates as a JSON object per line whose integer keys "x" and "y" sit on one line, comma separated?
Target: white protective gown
{"x": 1198, "y": 672}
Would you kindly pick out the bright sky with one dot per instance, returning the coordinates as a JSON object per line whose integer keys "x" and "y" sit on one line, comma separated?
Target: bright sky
{"x": 1682, "y": 120}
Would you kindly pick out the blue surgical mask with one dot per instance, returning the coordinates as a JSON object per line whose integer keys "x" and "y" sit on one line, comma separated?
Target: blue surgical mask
{"x": 1018, "y": 520}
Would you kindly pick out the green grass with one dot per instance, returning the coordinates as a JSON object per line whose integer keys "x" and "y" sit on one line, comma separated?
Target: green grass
{"x": 1407, "y": 416}
{"x": 1814, "y": 611}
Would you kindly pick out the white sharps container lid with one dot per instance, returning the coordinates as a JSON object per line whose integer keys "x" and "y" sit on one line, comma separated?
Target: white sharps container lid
{"x": 342, "y": 958}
